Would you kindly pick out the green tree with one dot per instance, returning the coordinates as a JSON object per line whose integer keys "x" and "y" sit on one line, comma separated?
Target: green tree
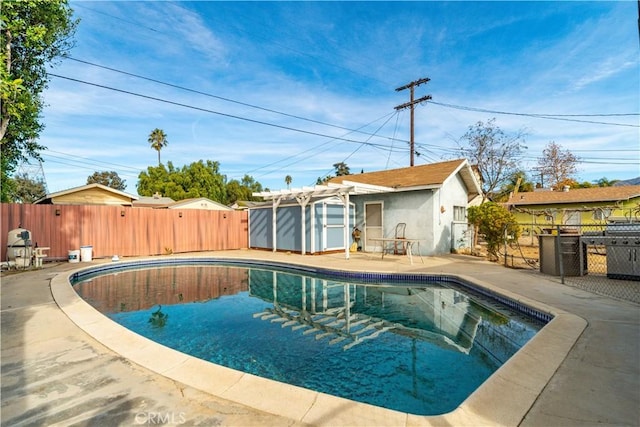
{"x": 322, "y": 181}
{"x": 33, "y": 35}
{"x": 604, "y": 182}
{"x": 158, "y": 140}
{"x": 493, "y": 222}
{"x": 494, "y": 152}
{"x": 199, "y": 179}
{"x": 516, "y": 182}
{"x": 153, "y": 180}
{"x": 557, "y": 166}
{"x": 341, "y": 169}
{"x": 288, "y": 180}
{"x": 252, "y": 186}
{"x": 585, "y": 184}
{"x": 243, "y": 190}
{"x": 108, "y": 178}
{"x": 236, "y": 192}
{"x": 28, "y": 190}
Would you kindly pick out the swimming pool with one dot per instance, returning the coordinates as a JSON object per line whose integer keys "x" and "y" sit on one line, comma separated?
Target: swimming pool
{"x": 414, "y": 343}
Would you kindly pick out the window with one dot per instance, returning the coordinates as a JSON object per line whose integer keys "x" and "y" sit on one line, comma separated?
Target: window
{"x": 601, "y": 214}
{"x": 459, "y": 213}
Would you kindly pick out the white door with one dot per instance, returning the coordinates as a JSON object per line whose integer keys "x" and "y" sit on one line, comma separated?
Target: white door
{"x": 334, "y": 224}
{"x": 372, "y": 226}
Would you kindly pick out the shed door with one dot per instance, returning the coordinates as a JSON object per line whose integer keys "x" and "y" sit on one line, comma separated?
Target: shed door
{"x": 372, "y": 225}
{"x": 334, "y": 223}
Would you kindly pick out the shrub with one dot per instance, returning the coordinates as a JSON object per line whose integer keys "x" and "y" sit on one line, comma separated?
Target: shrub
{"x": 492, "y": 221}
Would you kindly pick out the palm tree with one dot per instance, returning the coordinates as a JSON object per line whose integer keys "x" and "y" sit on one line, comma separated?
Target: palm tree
{"x": 158, "y": 140}
{"x": 287, "y": 180}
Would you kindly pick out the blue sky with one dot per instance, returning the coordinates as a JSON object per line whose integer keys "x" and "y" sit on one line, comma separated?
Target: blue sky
{"x": 271, "y": 89}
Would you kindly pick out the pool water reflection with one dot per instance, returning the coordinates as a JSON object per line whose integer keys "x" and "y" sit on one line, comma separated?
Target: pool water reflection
{"x": 416, "y": 348}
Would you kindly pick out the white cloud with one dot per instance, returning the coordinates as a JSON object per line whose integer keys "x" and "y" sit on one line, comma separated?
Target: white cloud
{"x": 329, "y": 72}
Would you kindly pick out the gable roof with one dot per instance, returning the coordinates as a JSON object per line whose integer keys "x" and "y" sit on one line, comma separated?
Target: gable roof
{"x": 155, "y": 201}
{"x": 184, "y": 202}
{"x": 432, "y": 175}
{"x": 49, "y": 197}
{"x": 577, "y": 195}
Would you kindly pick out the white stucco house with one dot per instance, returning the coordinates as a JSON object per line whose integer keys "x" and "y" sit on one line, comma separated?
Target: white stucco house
{"x": 430, "y": 200}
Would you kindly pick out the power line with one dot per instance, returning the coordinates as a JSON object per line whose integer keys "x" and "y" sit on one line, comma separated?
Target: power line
{"x": 566, "y": 117}
{"x": 315, "y": 149}
{"x": 80, "y": 166}
{"x": 179, "y": 104}
{"x": 543, "y": 116}
{"x": 214, "y": 96}
{"x": 85, "y": 160}
{"x": 605, "y": 150}
{"x": 359, "y": 130}
{"x": 377, "y": 146}
{"x": 84, "y": 165}
{"x": 137, "y": 24}
{"x": 273, "y": 124}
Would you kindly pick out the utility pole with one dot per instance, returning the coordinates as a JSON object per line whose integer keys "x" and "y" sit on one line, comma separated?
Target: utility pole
{"x": 411, "y": 104}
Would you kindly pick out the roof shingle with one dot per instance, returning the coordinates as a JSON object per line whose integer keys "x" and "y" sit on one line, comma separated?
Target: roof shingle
{"x": 577, "y": 195}
{"x": 433, "y": 174}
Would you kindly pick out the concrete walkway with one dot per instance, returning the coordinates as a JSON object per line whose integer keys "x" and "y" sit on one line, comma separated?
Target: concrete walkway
{"x": 54, "y": 373}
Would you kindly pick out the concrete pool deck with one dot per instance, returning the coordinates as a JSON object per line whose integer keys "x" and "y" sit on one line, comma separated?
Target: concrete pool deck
{"x": 583, "y": 370}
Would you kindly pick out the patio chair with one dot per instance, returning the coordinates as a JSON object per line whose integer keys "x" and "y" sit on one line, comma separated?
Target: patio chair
{"x": 398, "y": 248}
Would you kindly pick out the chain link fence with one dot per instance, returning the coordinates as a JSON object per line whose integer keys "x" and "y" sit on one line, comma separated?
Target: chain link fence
{"x": 599, "y": 258}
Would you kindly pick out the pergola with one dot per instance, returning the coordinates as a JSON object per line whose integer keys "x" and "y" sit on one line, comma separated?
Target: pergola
{"x": 305, "y": 194}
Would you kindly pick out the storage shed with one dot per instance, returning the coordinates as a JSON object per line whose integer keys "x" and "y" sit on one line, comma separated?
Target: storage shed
{"x": 308, "y": 220}
{"x": 324, "y": 228}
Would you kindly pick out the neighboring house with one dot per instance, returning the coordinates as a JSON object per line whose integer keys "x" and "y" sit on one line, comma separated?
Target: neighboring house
{"x": 596, "y": 205}
{"x": 156, "y": 202}
{"x": 431, "y": 200}
{"x": 242, "y": 205}
{"x": 199, "y": 203}
{"x": 90, "y": 194}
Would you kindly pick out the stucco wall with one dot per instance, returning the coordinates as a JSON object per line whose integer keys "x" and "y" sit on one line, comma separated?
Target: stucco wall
{"x": 453, "y": 193}
{"x": 427, "y": 213}
{"x": 584, "y": 212}
{"x": 415, "y": 208}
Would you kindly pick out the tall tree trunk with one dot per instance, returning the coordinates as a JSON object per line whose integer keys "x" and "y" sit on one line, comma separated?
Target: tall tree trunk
{"x": 4, "y": 116}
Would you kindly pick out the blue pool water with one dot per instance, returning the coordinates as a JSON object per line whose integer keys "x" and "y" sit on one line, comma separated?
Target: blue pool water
{"x": 420, "y": 348}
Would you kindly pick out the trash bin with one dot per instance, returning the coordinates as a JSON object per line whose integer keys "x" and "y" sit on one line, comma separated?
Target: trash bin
{"x": 572, "y": 254}
{"x": 74, "y": 256}
{"x": 86, "y": 253}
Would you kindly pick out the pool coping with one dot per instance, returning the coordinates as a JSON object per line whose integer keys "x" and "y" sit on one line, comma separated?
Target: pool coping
{"x": 503, "y": 399}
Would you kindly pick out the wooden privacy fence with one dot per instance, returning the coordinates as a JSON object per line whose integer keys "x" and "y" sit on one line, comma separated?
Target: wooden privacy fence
{"x": 124, "y": 231}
